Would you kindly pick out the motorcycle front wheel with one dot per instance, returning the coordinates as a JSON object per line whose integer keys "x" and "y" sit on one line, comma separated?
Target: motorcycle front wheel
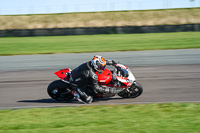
{"x": 133, "y": 91}
{"x": 60, "y": 91}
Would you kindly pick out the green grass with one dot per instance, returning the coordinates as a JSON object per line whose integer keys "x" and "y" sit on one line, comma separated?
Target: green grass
{"x": 146, "y": 118}
{"x": 98, "y": 43}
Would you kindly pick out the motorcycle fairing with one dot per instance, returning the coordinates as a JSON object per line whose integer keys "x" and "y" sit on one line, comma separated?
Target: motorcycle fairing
{"x": 127, "y": 78}
{"x": 104, "y": 77}
{"x": 63, "y": 74}
{"x": 125, "y": 81}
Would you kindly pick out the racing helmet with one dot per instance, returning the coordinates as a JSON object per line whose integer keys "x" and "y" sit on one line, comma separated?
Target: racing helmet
{"x": 99, "y": 63}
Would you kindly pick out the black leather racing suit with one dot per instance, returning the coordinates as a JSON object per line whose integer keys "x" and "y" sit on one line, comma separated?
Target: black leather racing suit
{"x": 85, "y": 75}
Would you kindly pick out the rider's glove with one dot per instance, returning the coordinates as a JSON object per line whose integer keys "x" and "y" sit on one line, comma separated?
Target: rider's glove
{"x": 114, "y": 62}
{"x": 111, "y": 62}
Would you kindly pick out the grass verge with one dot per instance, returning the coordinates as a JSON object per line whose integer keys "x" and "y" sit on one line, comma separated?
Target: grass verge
{"x": 146, "y": 118}
{"x": 98, "y": 43}
{"x": 100, "y": 19}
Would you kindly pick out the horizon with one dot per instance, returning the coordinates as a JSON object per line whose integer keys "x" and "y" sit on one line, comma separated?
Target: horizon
{"x": 23, "y": 7}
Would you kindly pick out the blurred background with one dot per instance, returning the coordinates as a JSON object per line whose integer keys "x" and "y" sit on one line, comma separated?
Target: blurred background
{"x": 12, "y": 7}
{"x": 51, "y": 14}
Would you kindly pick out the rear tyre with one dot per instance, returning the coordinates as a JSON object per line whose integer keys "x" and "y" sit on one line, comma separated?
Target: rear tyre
{"x": 60, "y": 91}
{"x": 134, "y": 91}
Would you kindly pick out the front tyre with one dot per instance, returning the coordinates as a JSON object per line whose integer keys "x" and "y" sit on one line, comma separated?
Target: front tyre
{"x": 59, "y": 91}
{"x": 133, "y": 91}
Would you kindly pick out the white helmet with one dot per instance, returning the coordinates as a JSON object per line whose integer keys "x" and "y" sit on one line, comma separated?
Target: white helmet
{"x": 99, "y": 63}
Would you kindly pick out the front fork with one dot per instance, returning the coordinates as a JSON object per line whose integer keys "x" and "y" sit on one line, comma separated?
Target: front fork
{"x": 129, "y": 88}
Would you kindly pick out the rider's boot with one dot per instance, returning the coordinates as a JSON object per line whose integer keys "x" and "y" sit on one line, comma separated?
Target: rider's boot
{"x": 83, "y": 96}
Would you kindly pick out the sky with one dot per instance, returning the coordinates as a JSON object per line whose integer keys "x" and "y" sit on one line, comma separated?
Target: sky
{"x": 15, "y": 7}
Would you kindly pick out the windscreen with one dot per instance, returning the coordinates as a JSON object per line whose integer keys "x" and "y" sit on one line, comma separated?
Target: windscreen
{"x": 124, "y": 72}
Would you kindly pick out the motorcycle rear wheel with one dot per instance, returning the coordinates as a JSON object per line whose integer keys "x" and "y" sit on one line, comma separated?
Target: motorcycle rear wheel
{"x": 60, "y": 91}
{"x": 134, "y": 91}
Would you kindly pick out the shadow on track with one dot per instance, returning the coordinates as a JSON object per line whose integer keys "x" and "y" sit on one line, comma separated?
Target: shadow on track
{"x": 49, "y": 100}
{"x": 46, "y": 101}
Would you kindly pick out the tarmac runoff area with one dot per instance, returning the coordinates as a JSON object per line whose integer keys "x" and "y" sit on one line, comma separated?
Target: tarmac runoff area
{"x": 166, "y": 76}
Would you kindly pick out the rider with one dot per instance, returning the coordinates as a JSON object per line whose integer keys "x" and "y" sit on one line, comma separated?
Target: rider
{"x": 85, "y": 75}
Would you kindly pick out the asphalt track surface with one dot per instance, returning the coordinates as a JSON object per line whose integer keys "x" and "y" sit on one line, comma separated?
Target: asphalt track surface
{"x": 166, "y": 75}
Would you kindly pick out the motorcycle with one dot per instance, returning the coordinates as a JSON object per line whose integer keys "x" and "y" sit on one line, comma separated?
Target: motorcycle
{"x": 121, "y": 76}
